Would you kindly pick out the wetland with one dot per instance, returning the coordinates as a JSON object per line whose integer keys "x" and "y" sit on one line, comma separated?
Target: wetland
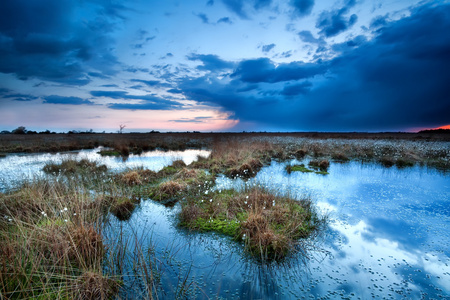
{"x": 262, "y": 217}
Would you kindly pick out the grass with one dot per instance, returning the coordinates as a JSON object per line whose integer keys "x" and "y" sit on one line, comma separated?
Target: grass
{"x": 426, "y": 148}
{"x": 271, "y": 226}
{"x": 71, "y": 166}
{"x": 52, "y": 245}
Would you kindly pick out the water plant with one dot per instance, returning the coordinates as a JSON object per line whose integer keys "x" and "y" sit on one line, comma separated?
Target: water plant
{"x": 270, "y": 225}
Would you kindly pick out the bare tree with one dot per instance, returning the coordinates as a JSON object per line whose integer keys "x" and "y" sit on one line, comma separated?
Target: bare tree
{"x": 121, "y": 127}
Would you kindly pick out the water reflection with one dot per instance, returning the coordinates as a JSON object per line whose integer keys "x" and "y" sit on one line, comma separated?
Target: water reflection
{"x": 17, "y": 167}
{"x": 388, "y": 234}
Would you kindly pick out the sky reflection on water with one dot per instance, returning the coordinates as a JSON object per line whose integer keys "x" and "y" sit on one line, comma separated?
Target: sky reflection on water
{"x": 388, "y": 233}
{"x": 17, "y": 167}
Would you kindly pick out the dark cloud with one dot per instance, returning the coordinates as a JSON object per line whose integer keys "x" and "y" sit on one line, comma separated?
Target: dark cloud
{"x": 307, "y": 37}
{"x": 267, "y": 48}
{"x": 203, "y": 17}
{"x": 264, "y": 70}
{"x": 159, "y": 105}
{"x": 225, "y": 20}
{"x": 236, "y": 6}
{"x": 378, "y": 21}
{"x": 211, "y": 62}
{"x": 395, "y": 81}
{"x": 20, "y": 97}
{"x": 350, "y": 44}
{"x": 51, "y": 44}
{"x": 151, "y": 83}
{"x": 286, "y": 54}
{"x": 333, "y": 22}
{"x": 135, "y": 70}
{"x": 261, "y": 3}
{"x": 54, "y": 99}
{"x": 146, "y": 102}
{"x": 302, "y": 7}
{"x": 98, "y": 75}
{"x": 296, "y": 89}
{"x": 175, "y": 91}
{"x": 109, "y": 94}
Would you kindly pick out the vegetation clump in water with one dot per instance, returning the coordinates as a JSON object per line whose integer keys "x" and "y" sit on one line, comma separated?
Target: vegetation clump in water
{"x": 270, "y": 225}
{"x": 301, "y": 168}
{"x": 71, "y": 166}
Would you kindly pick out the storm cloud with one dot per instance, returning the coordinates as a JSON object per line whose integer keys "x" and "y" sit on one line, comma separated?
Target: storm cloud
{"x": 52, "y": 44}
{"x": 397, "y": 80}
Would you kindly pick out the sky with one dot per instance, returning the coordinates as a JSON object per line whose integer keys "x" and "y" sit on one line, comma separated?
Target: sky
{"x": 224, "y": 65}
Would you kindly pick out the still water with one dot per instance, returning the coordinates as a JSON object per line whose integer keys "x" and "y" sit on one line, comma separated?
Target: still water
{"x": 388, "y": 236}
{"x": 17, "y": 167}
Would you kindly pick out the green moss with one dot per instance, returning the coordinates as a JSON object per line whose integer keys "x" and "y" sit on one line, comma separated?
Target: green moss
{"x": 298, "y": 168}
{"x": 219, "y": 225}
{"x": 321, "y": 172}
{"x": 109, "y": 153}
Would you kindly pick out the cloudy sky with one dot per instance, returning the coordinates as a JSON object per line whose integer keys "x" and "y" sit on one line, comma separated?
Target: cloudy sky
{"x": 225, "y": 65}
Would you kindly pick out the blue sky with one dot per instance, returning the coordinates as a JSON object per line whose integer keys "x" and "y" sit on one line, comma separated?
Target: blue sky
{"x": 225, "y": 65}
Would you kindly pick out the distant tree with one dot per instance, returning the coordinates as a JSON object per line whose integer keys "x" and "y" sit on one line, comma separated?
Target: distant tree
{"x": 20, "y": 130}
{"x": 121, "y": 127}
{"x": 5, "y": 132}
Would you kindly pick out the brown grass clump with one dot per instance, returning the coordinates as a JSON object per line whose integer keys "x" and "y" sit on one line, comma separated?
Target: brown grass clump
{"x": 339, "y": 157}
{"x": 71, "y": 166}
{"x": 301, "y": 153}
{"x": 387, "y": 161}
{"x": 87, "y": 245}
{"x": 171, "y": 188}
{"x": 167, "y": 190}
{"x": 270, "y": 225}
{"x": 178, "y": 164}
{"x": 186, "y": 173}
{"x": 123, "y": 209}
{"x": 322, "y": 164}
{"x": 93, "y": 285}
{"x": 131, "y": 178}
{"x": 262, "y": 239}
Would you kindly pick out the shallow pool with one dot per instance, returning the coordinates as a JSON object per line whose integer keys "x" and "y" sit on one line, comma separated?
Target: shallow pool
{"x": 387, "y": 237}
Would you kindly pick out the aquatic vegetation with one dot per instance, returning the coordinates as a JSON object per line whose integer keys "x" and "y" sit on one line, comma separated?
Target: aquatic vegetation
{"x": 403, "y": 163}
{"x": 270, "y": 225}
{"x": 71, "y": 166}
{"x": 301, "y": 168}
{"x": 122, "y": 207}
{"x": 387, "y": 161}
{"x": 321, "y": 165}
{"x": 339, "y": 156}
{"x": 298, "y": 168}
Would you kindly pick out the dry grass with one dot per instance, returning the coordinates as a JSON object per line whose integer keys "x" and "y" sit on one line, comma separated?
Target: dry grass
{"x": 51, "y": 236}
{"x": 270, "y": 225}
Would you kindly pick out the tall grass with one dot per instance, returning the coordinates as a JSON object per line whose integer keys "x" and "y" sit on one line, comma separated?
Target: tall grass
{"x": 52, "y": 245}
